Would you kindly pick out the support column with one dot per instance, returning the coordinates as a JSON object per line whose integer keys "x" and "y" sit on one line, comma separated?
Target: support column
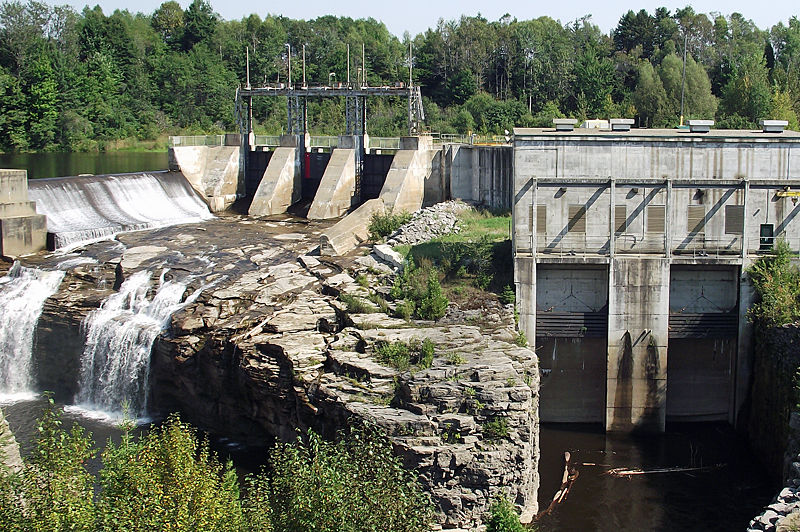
{"x": 638, "y": 328}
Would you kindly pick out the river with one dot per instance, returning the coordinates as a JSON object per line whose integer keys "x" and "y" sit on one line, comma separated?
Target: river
{"x": 44, "y": 165}
{"x": 724, "y": 497}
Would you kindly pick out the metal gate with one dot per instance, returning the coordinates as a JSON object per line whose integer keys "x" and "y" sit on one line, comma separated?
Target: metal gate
{"x": 257, "y": 162}
{"x": 313, "y": 170}
{"x": 376, "y": 167}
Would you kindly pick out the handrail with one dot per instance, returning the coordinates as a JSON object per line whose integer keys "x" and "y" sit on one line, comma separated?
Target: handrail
{"x": 196, "y": 140}
{"x": 323, "y": 142}
{"x": 385, "y": 143}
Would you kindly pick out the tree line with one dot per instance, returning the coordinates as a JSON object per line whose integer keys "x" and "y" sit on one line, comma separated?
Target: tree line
{"x": 77, "y": 81}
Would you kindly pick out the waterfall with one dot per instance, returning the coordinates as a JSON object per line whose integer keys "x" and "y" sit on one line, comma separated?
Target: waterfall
{"x": 85, "y": 208}
{"x": 115, "y": 363}
{"x": 23, "y": 292}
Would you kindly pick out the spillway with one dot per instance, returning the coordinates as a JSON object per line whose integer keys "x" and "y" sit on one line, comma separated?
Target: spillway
{"x": 23, "y": 292}
{"x": 85, "y": 208}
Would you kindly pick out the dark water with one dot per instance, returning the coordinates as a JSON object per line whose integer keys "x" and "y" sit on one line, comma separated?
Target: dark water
{"x": 23, "y": 414}
{"x": 43, "y": 165}
{"x": 722, "y": 498}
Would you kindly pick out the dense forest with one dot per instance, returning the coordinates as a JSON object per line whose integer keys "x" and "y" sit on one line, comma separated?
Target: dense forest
{"x": 87, "y": 81}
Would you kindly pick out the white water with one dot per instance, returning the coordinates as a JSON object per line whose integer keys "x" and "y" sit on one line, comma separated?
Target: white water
{"x": 85, "y": 209}
{"x": 23, "y": 292}
{"x": 115, "y": 364}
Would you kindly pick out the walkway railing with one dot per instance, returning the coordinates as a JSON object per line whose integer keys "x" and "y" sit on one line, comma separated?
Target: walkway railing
{"x": 324, "y": 142}
{"x": 268, "y": 140}
{"x": 196, "y": 140}
{"x": 478, "y": 140}
{"x": 384, "y": 143}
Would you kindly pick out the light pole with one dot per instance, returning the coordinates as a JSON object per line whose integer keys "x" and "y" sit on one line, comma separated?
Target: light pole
{"x": 331, "y": 75}
{"x": 289, "y": 57}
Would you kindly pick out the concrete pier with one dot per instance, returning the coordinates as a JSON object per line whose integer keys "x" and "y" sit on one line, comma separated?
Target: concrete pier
{"x": 213, "y": 171}
{"x": 280, "y": 186}
{"x": 336, "y": 193}
{"x": 22, "y": 230}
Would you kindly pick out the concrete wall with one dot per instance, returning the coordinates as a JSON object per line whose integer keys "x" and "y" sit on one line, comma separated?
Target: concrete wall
{"x": 213, "y": 171}
{"x": 481, "y": 173}
{"x": 22, "y": 231}
{"x": 280, "y": 186}
{"x": 335, "y": 195}
{"x": 675, "y": 218}
{"x": 351, "y": 230}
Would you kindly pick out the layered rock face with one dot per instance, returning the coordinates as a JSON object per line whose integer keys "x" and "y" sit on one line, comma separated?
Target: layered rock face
{"x": 268, "y": 352}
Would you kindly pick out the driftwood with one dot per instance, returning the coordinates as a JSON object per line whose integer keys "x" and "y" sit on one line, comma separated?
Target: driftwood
{"x": 627, "y": 473}
{"x": 567, "y": 480}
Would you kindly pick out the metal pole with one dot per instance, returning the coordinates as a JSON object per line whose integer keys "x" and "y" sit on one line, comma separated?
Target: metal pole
{"x": 290, "y": 64}
{"x": 348, "y": 64}
{"x": 363, "y": 65}
{"x": 410, "y": 65}
{"x": 304, "y": 65}
{"x": 248, "y": 67}
{"x": 683, "y": 81}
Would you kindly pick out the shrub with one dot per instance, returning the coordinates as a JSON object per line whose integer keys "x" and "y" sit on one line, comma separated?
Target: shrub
{"x": 508, "y": 296}
{"x": 433, "y": 305}
{"x": 350, "y": 485}
{"x": 503, "y": 517}
{"x": 355, "y": 305}
{"x": 401, "y": 355}
{"x": 496, "y": 429}
{"x": 383, "y": 225}
{"x": 777, "y": 281}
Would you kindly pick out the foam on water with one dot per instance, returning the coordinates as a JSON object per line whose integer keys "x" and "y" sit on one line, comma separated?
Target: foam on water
{"x": 89, "y": 208}
{"x": 23, "y": 292}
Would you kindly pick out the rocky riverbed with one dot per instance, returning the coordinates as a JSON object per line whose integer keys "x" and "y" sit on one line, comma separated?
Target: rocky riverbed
{"x": 267, "y": 349}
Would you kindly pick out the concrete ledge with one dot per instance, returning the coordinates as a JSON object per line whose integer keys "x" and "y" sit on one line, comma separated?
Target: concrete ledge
{"x": 20, "y": 208}
{"x": 334, "y": 196}
{"x": 213, "y": 171}
{"x": 23, "y": 234}
{"x": 280, "y": 186}
{"x": 350, "y": 231}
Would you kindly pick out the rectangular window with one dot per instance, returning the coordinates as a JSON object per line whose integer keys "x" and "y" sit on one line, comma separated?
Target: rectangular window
{"x": 734, "y": 219}
{"x": 656, "y": 216}
{"x": 696, "y": 219}
{"x": 577, "y": 219}
{"x": 620, "y": 218}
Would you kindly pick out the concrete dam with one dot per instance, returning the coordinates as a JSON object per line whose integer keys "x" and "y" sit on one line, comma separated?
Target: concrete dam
{"x": 630, "y": 251}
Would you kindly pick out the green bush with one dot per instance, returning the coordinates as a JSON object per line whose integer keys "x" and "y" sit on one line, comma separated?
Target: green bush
{"x": 401, "y": 355}
{"x": 170, "y": 480}
{"x": 420, "y": 288}
{"x": 503, "y": 517}
{"x": 508, "y": 296}
{"x": 383, "y": 225}
{"x": 433, "y": 305}
{"x": 777, "y": 282}
{"x": 496, "y": 429}
{"x": 355, "y": 305}
{"x": 354, "y": 484}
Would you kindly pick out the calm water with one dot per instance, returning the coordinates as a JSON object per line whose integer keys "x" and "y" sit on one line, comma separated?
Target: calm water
{"x": 43, "y": 165}
{"x": 719, "y": 499}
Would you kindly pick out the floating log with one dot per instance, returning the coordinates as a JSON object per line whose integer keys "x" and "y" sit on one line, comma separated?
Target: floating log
{"x": 567, "y": 480}
{"x": 627, "y": 473}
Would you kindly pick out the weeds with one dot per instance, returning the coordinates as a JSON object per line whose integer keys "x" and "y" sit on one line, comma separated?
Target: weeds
{"x": 496, "y": 429}
{"x": 383, "y": 225}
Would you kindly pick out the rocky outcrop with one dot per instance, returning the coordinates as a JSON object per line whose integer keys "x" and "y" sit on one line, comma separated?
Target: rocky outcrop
{"x": 268, "y": 350}
{"x": 263, "y": 358}
{"x": 9, "y": 449}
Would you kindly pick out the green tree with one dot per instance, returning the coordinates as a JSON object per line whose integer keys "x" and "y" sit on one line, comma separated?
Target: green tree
{"x": 650, "y": 98}
{"x": 54, "y": 491}
{"x": 167, "y": 21}
{"x": 167, "y": 481}
{"x": 748, "y": 93}
{"x": 503, "y": 517}
{"x": 200, "y": 21}
{"x": 350, "y": 485}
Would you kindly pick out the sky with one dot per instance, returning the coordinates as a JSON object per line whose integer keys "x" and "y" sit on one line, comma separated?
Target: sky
{"x": 415, "y": 16}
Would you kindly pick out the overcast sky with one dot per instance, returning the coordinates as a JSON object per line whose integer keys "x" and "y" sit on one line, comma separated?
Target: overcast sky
{"x": 415, "y": 16}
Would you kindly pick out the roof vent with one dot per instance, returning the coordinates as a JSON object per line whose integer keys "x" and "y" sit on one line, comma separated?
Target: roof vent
{"x": 700, "y": 126}
{"x": 564, "y": 124}
{"x": 621, "y": 124}
{"x": 773, "y": 126}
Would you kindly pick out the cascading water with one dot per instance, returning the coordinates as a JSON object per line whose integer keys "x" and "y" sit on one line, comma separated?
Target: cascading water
{"x": 119, "y": 336}
{"x": 23, "y": 292}
{"x": 86, "y": 208}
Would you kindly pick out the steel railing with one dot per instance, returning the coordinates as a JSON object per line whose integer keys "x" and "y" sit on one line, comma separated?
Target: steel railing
{"x": 323, "y": 142}
{"x": 197, "y": 140}
{"x": 267, "y": 140}
{"x": 384, "y": 143}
